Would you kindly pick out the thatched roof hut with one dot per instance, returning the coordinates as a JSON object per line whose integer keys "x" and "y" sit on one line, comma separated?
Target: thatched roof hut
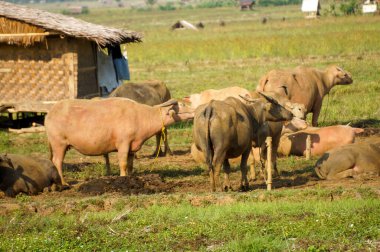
{"x": 46, "y": 57}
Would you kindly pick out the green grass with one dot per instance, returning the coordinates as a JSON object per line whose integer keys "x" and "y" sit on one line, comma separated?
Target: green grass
{"x": 275, "y": 224}
{"x": 216, "y": 57}
{"x": 244, "y": 50}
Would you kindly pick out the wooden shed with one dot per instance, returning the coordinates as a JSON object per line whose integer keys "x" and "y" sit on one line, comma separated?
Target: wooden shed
{"x": 46, "y": 57}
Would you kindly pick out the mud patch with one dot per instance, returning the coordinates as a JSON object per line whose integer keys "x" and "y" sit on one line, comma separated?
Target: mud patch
{"x": 146, "y": 184}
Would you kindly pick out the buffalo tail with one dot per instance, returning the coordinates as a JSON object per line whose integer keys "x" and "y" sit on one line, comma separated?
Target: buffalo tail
{"x": 209, "y": 148}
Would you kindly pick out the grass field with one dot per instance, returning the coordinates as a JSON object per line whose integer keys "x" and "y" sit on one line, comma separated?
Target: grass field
{"x": 177, "y": 212}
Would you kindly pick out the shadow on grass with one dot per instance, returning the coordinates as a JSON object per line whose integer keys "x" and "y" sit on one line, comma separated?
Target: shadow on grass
{"x": 77, "y": 167}
{"x": 289, "y": 179}
{"x": 365, "y": 123}
{"x": 177, "y": 173}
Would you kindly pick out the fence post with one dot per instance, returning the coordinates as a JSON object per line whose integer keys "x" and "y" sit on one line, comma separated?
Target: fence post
{"x": 268, "y": 141}
{"x": 308, "y": 147}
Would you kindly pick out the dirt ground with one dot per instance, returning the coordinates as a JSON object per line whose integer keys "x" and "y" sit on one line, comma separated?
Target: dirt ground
{"x": 182, "y": 175}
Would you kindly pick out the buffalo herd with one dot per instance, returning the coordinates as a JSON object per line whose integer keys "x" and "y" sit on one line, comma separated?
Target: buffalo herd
{"x": 227, "y": 123}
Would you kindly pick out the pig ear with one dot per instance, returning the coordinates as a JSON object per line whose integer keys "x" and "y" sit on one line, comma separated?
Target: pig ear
{"x": 168, "y": 103}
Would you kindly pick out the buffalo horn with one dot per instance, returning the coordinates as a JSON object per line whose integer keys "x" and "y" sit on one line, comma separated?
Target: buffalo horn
{"x": 168, "y": 103}
{"x": 248, "y": 99}
{"x": 268, "y": 98}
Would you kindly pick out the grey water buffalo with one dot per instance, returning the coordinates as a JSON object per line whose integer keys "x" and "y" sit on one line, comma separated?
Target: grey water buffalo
{"x": 226, "y": 129}
{"x": 206, "y": 96}
{"x": 23, "y": 174}
{"x": 274, "y": 130}
{"x": 150, "y": 93}
{"x": 98, "y": 127}
{"x": 354, "y": 160}
{"x": 305, "y": 85}
{"x": 257, "y": 154}
{"x": 322, "y": 140}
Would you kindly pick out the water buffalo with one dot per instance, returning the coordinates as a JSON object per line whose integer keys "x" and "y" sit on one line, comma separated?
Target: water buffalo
{"x": 274, "y": 130}
{"x": 23, "y": 174}
{"x": 150, "y": 93}
{"x": 98, "y": 127}
{"x": 322, "y": 140}
{"x": 353, "y": 160}
{"x": 305, "y": 85}
{"x": 226, "y": 129}
{"x": 206, "y": 96}
{"x": 258, "y": 153}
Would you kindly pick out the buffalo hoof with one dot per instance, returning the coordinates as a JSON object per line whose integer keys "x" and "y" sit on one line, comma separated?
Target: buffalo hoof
{"x": 227, "y": 188}
{"x": 65, "y": 187}
{"x": 244, "y": 188}
{"x": 161, "y": 154}
{"x": 252, "y": 178}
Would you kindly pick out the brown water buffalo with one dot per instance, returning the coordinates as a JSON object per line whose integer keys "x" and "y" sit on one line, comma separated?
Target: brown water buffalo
{"x": 305, "y": 85}
{"x": 98, "y": 127}
{"x": 322, "y": 140}
{"x": 150, "y": 93}
{"x": 23, "y": 174}
{"x": 226, "y": 129}
{"x": 353, "y": 160}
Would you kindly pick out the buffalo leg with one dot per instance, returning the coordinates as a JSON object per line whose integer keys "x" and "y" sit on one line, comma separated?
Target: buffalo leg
{"x": 244, "y": 185}
{"x": 58, "y": 154}
{"x": 227, "y": 170}
{"x": 122, "y": 155}
{"x": 316, "y": 111}
{"x": 108, "y": 167}
{"x": 214, "y": 172}
{"x": 130, "y": 163}
{"x": 158, "y": 146}
{"x": 166, "y": 142}
{"x": 344, "y": 174}
{"x": 255, "y": 160}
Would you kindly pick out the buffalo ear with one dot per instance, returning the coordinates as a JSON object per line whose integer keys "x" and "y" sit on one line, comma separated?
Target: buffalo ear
{"x": 268, "y": 98}
{"x": 339, "y": 69}
{"x": 263, "y": 81}
{"x": 171, "y": 113}
{"x": 168, "y": 103}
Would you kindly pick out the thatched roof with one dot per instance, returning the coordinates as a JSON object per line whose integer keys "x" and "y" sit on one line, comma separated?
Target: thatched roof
{"x": 69, "y": 26}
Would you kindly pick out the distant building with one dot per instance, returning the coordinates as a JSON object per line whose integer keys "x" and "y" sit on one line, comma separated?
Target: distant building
{"x": 369, "y": 6}
{"x": 311, "y": 8}
{"x": 46, "y": 57}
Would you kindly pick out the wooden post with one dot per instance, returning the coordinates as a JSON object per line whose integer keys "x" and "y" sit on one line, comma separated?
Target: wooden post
{"x": 308, "y": 147}
{"x": 268, "y": 141}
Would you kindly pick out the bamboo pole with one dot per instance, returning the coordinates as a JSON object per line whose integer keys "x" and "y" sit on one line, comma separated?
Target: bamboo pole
{"x": 268, "y": 141}
{"x": 308, "y": 147}
{"x": 9, "y": 35}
